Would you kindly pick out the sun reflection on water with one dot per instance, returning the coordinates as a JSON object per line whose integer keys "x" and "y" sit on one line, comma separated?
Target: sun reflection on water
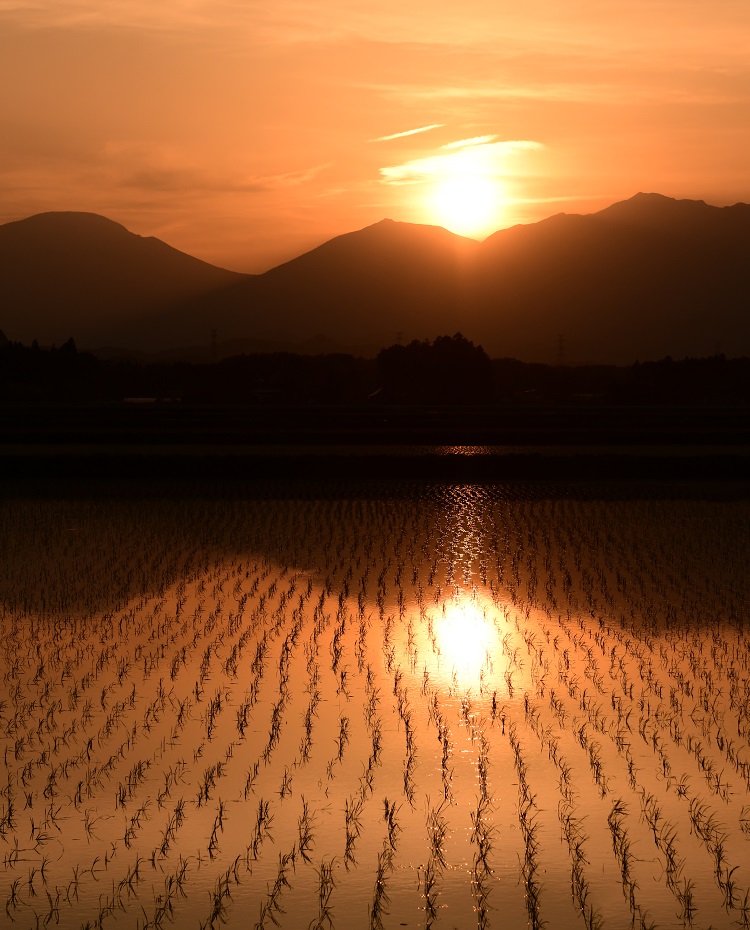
{"x": 466, "y": 638}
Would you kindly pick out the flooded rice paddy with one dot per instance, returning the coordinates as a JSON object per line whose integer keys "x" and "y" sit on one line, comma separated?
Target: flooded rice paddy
{"x": 470, "y": 707}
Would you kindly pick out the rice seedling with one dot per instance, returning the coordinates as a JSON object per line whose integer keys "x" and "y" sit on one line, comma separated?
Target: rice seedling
{"x": 326, "y": 886}
{"x": 306, "y": 841}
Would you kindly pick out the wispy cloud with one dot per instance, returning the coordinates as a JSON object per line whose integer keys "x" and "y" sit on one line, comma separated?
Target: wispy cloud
{"x": 469, "y": 156}
{"x": 408, "y": 132}
{"x": 195, "y": 182}
{"x": 168, "y": 14}
{"x": 645, "y": 25}
{"x": 164, "y": 169}
{"x": 485, "y": 91}
{"x": 464, "y": 143}
{"x": 288, "y": 179}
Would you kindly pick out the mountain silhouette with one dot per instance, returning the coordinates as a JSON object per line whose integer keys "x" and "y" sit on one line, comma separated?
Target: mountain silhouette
{"x": 359, "y": 290}
{"x": 643, "y": 278}
{"x": 82, "y": 275}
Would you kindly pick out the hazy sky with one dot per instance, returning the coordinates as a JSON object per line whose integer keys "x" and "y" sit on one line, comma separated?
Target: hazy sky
{"x": 247, "y": 132}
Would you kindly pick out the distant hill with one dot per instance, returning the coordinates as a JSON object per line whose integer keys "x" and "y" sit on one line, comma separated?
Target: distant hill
{"x": 359, "y": 290}
{"x": 644, "y": 278}
{"x": 82, "y": 275}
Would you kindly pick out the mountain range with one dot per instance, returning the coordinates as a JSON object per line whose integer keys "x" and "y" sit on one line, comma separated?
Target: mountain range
{"x": 641, "y": 279}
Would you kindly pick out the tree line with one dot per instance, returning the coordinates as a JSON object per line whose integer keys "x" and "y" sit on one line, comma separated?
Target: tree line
{"x": 448, "y": 370}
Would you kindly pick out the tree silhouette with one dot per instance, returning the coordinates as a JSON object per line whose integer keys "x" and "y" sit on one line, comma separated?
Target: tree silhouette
{"x": 450, "y": 370}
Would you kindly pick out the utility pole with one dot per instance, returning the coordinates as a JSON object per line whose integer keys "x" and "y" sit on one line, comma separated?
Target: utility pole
{"x": 214, "y": 334}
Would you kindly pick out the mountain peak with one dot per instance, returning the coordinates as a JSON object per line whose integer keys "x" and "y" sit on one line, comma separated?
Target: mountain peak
{"x": 652, "y": 207}
{"x": 69, "y": 221}
{"x": 382, "y": 246}
{"x": 82, "y": 273}
{"x": 650, "y": 197}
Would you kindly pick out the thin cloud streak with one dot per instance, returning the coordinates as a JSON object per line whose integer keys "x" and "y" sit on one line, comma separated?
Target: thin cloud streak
{"x": 596, "y": 94}
{"x": 408, "y": 132}
{"x": 488, "y": 91}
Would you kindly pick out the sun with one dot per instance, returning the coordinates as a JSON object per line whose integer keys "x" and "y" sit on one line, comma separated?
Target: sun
{"x": 466, "y": 202}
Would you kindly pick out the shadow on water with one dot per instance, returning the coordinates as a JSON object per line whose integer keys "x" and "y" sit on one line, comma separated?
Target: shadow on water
{"x": 71, "y": 547}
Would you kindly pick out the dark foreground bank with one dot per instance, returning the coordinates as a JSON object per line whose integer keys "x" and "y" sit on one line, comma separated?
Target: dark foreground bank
{"x": 165, "y": 444}
{"x": 164, "y": 474}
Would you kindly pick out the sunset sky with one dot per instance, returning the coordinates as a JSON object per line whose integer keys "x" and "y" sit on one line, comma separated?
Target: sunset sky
{"x": 247, "y": 132}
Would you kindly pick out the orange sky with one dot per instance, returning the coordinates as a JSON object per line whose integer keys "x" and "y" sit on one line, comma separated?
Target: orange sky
{"x": 245, "y": 132}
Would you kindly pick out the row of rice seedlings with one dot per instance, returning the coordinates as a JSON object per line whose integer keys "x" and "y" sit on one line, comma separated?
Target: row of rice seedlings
{"x": 664, "y": 835}
{"x": 218, "y": 768}
{"x": 528, "y": 819}
{"x": 124, "y": 796}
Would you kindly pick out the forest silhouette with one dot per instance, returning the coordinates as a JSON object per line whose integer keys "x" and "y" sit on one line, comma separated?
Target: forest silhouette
{"x": 450, "y": 370}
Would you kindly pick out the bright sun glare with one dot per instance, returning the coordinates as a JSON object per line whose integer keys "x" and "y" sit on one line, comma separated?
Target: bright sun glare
{"x": 467, "y": 204}
{"x": 465, "y": 636}
{"x": 466, "y": 196}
